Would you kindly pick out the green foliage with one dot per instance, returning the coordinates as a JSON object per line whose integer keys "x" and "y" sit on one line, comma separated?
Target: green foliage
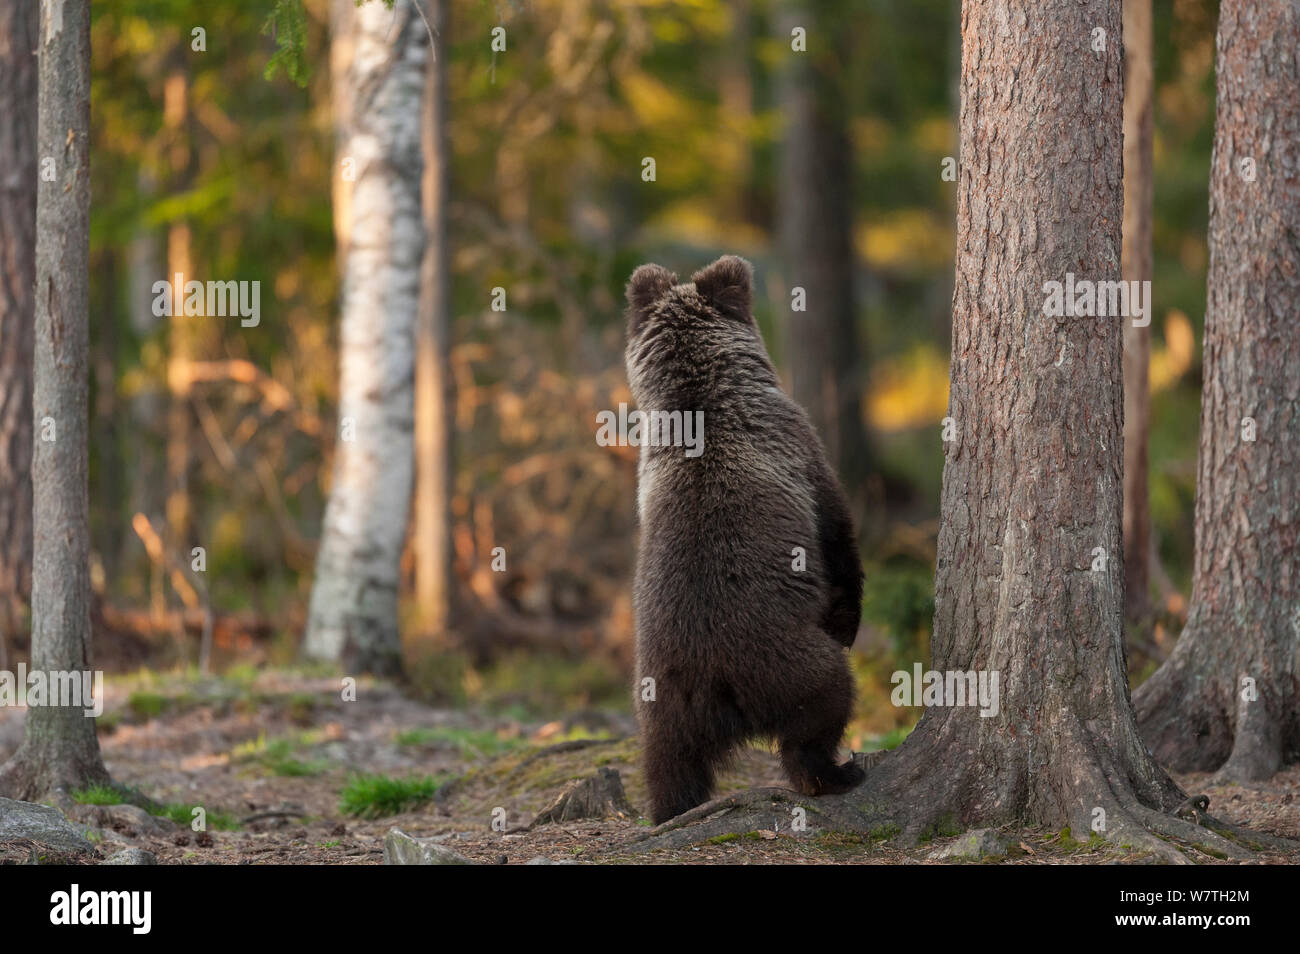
{"x": 889, "y": 741}
{"x": 378, "y": 796}
{"x": 524, "y": 685}
{"x": 148, "y": 705}
{"x": 279, "y": 756}
{"x": 900, "y": 599}
{"x": 287, "y": 25}
{"x": 470, "y": 743}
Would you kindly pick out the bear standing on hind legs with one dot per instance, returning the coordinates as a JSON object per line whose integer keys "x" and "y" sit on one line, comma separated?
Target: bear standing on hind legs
{"x": 748, "y": 582}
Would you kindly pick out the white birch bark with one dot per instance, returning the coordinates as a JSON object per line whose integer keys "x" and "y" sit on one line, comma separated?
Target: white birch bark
{"x": 378, "y": 83}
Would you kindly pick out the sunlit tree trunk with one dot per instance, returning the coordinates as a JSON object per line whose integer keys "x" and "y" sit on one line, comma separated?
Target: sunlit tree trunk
{"x": 1229, "y": 696}
{"x": 435, "y": 401}
{"x": 60, "y": 749}
{"x": 1138, "y": 82}
{"x": 184, "y": 331}
{"x": 1030, "y": 578}
{"x": 736, "y": 100}
{"x": 147, "y": 407}
{"x": 378, "y": 85}
{"x": 18, "y": 66}
{"x": 815, "y": 224}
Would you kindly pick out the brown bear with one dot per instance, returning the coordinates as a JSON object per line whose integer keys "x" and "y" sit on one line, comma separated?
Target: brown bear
{"x": 748, "y": 581}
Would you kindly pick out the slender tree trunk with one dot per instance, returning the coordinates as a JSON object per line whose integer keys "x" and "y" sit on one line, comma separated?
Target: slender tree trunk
{"x": 107, "y": 530}
{"x": 815, "y": 228}
{"x": 1138, "y": 87}
{"x": 1229, "y": 696}
{"x": 61, "y": 749}
{"x": 736, "y": 98}
{"x": 353, "y": 613}
{"x": 184, "y": 331}
{"x": 18, "y": 36}
{"x": 148, "y": 406}
{"x": 435, "y": 397}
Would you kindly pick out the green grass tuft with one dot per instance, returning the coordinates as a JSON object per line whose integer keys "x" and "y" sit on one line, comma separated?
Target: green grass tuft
{"x": 378, "y": 796}
{"x": 98, "y": 795}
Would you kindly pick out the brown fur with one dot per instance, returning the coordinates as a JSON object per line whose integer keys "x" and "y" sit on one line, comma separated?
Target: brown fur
{"x": 738, "y": 642}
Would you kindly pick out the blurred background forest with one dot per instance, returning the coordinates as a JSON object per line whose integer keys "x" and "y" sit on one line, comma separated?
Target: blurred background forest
{"x": 202, "y": 165}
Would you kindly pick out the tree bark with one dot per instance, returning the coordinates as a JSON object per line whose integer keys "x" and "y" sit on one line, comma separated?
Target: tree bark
{"x": 1137, "y": 266}
{"x": 18, "y": 36}
{"x": 184, "y": 331}
{"x": 434, "y": 385}
{"x": 60, "y": 748}
{"x": 815, "y": 233}
{"x": 1032, "y": 481}
{"x": 1228, "y": 696}
{"x": 353, "y": 613}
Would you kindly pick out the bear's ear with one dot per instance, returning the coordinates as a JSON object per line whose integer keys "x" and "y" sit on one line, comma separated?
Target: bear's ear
{"x": 727, "y": 285}
{"x": 647, "y": 285}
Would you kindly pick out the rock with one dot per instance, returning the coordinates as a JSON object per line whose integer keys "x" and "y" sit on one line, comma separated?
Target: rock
{"x": 128, "y": 819}
{"x": 25, "y": 821}
{"x": 975, "y": 844}
{"x": 131, "y": 856}
{"x": 11, "y": 733}
{"x": 402, "y": 849}
{"x": 539, "y": 860}
{"x": 599, "y": 796}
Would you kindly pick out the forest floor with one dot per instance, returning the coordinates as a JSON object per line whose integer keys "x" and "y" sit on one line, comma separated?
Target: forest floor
{"x": 339, "y": 775}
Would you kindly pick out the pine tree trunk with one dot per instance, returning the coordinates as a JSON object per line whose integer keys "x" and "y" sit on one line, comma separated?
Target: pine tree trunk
{"x": 353, "y": 613}
{"x": 60, "y": 749}
{"x": 1138, "y": 87}
{"x": 18, "y": 36}
{"x": 1229, "y": 696}
{"x": 1032, "y": 481}
{"x": 435, "y": 397}
{"x": 822, "y": 346}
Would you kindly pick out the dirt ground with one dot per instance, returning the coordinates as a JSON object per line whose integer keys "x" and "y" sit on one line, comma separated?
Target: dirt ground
{"x": 270, "y": 757}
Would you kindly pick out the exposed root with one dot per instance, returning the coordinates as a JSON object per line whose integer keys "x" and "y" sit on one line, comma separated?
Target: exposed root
{"x": 1249, "y": 837}
{"x": 1203, "y": 838}
{"x": 738, "y": 813}
{"x": 1131, "y": 825}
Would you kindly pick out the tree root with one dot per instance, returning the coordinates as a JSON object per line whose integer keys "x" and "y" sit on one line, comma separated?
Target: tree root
{"x": 734, "y": 814}
{"x": 1130, "y": 824}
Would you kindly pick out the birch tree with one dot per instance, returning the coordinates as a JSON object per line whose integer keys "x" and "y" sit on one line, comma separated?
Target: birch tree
{"x": 378, "y": 74}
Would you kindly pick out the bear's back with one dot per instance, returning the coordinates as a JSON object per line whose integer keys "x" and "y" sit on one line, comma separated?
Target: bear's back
{"x": 729, "y": 561}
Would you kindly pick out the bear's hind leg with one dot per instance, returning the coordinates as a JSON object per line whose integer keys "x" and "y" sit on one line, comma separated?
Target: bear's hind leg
{"x": 678, "y": 779}
{"x": 686, "y": 738}
{"x": 811, "y": 739}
